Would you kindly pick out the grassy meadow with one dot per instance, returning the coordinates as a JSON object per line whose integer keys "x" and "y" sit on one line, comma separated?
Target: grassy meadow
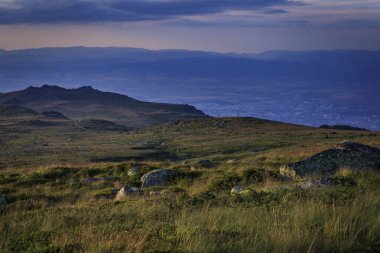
{"x": 60, "y": 186}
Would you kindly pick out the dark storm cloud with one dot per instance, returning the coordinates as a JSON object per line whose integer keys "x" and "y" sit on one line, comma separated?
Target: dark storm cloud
{"x": 83, "y": 11}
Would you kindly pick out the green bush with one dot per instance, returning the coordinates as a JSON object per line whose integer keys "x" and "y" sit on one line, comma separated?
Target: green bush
{"x": 253, "y": 175}
{"x": 349, "y": 181}
{"x": 50, "y": 176}
{"x": 226, "y": 183}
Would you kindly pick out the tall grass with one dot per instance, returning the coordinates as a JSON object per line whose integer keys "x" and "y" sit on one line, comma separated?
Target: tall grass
{"x": 54, "y": 210}
{"x": 154, "y": 225}
{"x": 309, "y": 226}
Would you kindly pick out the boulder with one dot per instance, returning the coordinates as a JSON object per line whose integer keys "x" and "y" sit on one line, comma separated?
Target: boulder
{"x": 124, "y": 191}
{"x": 3, "y": 201}
{"x": 239, "y": 190}
{"x": 158, "y": 177}
{"x": 346, "y": 154}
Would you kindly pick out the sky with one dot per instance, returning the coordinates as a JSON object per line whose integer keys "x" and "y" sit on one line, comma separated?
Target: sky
{"x": 213, "y": 25}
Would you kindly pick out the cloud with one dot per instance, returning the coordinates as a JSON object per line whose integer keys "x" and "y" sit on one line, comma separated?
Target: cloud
{"x": 87, "y": 11}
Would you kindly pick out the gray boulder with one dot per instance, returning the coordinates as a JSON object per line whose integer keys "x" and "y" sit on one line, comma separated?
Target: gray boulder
{"x": 346, "y": 154}
{"x": 3, "y": 201}
{"x": 158, "y": 177}
{"x": 125, "y": 191}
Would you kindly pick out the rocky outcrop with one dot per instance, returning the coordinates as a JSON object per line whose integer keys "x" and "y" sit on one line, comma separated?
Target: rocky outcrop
{"x": 346, "y": 154}
{"x": 158, "y": 177}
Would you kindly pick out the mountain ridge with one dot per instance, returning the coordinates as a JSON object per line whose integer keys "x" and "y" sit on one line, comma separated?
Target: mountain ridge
{"x": 86, "y": 103}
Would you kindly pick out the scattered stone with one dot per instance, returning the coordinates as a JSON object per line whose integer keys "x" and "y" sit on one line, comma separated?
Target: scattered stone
{"x": 158, "y": 177}
{"x": 204, "y": 164}
{"x": 125, "y": 191}
{"x": 239, "y": 190}
{"x": 346, "y": 154}
{"x": 3, "y": 201}
{"x": 231, "y": 161}
{"x": 218, "y": 122}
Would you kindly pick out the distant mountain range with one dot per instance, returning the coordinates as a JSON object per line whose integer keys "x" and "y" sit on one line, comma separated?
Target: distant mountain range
{"x": 91, "y": 106}
{"x": 305, "y": 87}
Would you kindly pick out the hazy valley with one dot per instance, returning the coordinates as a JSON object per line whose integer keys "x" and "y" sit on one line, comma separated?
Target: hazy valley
{"x": 304, "y": 87}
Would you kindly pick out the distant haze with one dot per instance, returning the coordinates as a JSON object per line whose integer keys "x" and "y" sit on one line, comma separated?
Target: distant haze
{"x": 304, "y": 87}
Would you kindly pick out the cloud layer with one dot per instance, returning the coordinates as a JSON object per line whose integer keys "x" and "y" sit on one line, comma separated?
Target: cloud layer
{"x": 84, "y": 11}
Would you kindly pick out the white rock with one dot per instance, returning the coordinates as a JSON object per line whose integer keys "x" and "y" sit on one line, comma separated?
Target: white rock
{"x": 238, "y": 190}
{"x": 124, "y": 191}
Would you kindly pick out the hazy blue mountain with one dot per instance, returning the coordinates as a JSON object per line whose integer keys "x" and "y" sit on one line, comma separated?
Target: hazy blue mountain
{"x": 306, "y": 87}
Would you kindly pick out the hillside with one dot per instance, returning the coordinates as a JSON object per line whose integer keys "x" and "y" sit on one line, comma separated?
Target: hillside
{"x": 203, "y": 185}
{"x": 88, "y": 103}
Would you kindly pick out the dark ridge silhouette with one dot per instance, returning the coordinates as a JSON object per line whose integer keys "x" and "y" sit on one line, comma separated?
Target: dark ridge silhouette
{"x": 343, "y": 127}
{"x": 88, "y": 103}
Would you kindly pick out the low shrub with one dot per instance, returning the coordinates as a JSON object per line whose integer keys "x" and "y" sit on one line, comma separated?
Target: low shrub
{"x": 253, "y": 175}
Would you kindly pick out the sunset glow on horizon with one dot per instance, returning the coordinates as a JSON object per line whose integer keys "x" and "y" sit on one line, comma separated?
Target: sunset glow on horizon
{"x": 224, "y": 26}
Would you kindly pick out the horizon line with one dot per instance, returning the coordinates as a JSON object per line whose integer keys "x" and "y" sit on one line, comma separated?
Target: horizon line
{"x": 189, "y": 50}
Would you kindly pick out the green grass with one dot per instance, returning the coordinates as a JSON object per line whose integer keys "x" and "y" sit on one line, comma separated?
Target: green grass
{"x": 52, "y": 207}
{"x": 64, "y": 214}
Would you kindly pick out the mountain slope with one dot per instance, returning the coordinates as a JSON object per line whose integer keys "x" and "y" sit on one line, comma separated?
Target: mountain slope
{"x": 88, "y": 103}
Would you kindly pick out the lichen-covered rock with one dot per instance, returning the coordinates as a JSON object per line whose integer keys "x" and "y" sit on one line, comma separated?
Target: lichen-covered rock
{"x": 346, "y": 154}
{"x": 3, "y": 201}
{"x": 239, "y": 190}
{"x": 158, "y": 177}
{"x": 124, "y": 191}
